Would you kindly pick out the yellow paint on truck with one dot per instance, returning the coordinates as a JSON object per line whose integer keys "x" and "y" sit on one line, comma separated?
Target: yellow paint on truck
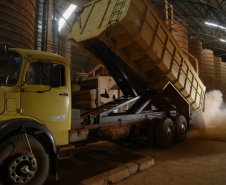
{"x": 49, "y": 108}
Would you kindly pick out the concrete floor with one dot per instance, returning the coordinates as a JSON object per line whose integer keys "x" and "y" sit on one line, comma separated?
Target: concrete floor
{"x": 201, "y": 159}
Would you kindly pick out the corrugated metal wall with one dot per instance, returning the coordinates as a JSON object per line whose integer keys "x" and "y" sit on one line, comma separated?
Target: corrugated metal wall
{"x": 41, "y": 25}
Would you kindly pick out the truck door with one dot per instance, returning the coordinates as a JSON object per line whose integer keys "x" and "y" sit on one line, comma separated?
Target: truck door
{"x": 2, "y": 101}
{"x": 45, "y": 96}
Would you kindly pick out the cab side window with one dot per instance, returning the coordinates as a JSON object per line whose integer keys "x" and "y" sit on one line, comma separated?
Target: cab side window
{"x": 45, "y": 73}
{"x": 57, "y": 75}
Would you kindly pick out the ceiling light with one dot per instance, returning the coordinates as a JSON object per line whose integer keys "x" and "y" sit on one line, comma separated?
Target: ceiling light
{"x": 66, "y": 15}
{"x": 222, "y": 40}
{"x": 216, "y": 25}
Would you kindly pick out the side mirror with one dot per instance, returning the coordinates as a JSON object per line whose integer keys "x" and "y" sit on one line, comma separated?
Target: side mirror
{"x": 4, "y": 48}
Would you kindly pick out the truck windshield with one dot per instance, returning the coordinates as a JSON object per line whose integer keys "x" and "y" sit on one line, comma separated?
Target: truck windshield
{"x": 9, "y": 68}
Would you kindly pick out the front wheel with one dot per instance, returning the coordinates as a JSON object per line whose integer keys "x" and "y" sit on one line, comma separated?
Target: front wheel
{"x": 21, "y": 164}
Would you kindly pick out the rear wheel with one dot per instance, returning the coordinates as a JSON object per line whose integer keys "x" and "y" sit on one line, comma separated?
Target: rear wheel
{"x": 181, "y": 129}
{"x": 164, "y": 133}
{"x": 20, "y": 165}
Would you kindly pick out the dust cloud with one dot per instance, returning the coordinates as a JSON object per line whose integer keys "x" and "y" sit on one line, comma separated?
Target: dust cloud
{"x": 215, "y": 109}
{"x": 214, "y": 115}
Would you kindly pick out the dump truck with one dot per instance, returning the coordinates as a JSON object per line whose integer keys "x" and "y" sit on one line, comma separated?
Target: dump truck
{"x": 38, "y": 126}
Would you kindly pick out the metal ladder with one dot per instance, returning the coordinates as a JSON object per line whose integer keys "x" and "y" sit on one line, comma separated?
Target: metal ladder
{"x": 116, "y": 12}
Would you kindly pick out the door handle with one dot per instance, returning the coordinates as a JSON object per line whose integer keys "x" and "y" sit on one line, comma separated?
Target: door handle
{"x": 64, "y": 94}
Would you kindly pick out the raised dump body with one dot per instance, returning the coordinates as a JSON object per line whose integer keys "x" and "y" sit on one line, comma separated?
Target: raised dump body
{"x": 131, "y": 34}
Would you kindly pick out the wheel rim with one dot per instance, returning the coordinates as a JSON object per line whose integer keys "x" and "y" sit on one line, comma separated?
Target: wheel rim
{"x": 182, "y": 129}
{"x": 168, "y": 132}
{"x": 22, "y": 168}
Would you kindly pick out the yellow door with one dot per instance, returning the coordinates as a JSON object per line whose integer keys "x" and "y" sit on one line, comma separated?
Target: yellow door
{"x": 45, "y": 96}
{"x": 2, "y": 101}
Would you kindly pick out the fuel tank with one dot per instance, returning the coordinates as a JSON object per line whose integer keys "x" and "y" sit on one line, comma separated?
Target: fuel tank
{"x": 113, "y": 133}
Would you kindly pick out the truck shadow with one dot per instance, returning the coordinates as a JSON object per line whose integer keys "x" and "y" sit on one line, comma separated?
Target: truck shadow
{"x": 91, "y": 160}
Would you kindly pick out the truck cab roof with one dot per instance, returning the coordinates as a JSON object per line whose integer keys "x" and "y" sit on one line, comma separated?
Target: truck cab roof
{"x": 27, "y": 53}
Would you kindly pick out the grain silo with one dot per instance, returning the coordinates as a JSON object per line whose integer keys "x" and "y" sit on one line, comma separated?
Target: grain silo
{"x": 223, "y": 78}
{"x": 180, "y": 34}
{"x": 17, "y": 23}
{"x": 195, "y": 49}
{"x": 208, "y": 69}
{"x": 217, "y": 72}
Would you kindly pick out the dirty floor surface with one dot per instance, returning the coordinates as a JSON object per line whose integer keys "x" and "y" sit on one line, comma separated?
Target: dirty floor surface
{"x": 200, "y": 160}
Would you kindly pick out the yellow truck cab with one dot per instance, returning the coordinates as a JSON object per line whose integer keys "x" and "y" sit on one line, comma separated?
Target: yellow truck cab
{"x": 35, "y": 106}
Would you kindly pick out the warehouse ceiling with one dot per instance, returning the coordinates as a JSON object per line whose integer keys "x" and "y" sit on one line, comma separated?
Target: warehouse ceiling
{"x": 62, "y": 5}
{"x": 204, "y": 19}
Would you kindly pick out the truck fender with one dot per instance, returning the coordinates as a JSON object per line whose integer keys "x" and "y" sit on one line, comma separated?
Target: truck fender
{"x": 16, "y": 124}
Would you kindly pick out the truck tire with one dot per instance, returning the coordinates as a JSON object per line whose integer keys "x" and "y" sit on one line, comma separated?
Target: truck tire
{"x": 181, "y": 129}
{"x": 164, "y": 132}
{"x": 21, "y": 166}
{"x": 151, "y": 132}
